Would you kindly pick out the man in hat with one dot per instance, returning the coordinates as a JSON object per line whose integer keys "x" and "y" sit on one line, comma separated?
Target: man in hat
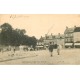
{"x": 51, "y": 47}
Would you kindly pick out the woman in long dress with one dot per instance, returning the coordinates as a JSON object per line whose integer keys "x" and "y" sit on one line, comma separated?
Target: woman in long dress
{"x": 58, "y": 49}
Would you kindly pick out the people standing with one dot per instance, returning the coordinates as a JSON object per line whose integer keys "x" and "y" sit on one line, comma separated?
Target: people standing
{"x": 58, "y": 49}
{"x": 14, "y": 49}
{"x": 51, "y": 47}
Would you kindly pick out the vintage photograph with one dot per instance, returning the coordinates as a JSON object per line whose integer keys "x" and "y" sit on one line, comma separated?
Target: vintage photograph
{"x": 39, "y": 39}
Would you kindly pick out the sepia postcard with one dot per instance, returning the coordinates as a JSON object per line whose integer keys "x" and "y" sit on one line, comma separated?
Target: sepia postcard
{"x": 39, "y": 39}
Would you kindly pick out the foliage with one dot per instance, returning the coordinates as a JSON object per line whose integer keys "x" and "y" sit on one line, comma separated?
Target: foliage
{"x": 15, "y": 37}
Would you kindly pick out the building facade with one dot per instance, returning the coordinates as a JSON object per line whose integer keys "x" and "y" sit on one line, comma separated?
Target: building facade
{"x": 60, "y": 39}
{"x": 57, "y": 39}
{"x": 40, "y": 43}
{"x": 49, "y": 38}
{"x": 77, "y": 37}
{"x": 72, "y": 36}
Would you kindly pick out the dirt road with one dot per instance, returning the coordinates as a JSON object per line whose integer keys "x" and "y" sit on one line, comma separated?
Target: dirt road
{"x": 66, "y": 57}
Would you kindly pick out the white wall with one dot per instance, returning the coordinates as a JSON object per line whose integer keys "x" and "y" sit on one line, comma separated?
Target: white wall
{"x": 51, "y": 40}
{"x": 61, "y": 42}
{"x": 76, "y": 36}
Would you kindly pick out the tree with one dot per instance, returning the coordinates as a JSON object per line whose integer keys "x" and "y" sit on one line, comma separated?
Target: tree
{"x": 6, "y": 30}
{"x": 32, "y": 41}
{"x": 20, "y": 31}
{"x": 6, "y": 27}
{"x": 15, "y": 37}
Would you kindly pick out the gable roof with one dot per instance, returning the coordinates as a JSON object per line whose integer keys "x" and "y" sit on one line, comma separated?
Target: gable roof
{"x": 60, "y": 36}
{"x": 77, "y": 29}
{"x": 69, "y": 30}
{"x": 41, "y": 39}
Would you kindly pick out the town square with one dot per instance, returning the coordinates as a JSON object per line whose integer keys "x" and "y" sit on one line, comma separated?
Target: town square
{"x": 40, "y": 39}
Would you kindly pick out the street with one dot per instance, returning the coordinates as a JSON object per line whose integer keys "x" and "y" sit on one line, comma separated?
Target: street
{"x": 66, "y": 57}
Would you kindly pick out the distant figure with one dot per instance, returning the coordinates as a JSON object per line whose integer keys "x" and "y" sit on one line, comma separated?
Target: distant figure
{"x": 14, "y": 49}
{"x": 58, "y": 49}
{"x": 51, "y": 47}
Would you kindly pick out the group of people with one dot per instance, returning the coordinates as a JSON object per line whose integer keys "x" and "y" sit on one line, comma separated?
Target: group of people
{"x": 51, "y": 48}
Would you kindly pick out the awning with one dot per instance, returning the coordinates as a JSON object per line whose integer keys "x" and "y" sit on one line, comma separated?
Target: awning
{"x": 68, "y": 44}
{"x": 76, "y": 43}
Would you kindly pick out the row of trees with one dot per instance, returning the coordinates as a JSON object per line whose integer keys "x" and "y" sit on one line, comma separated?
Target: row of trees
{"x": 15, "y": 37}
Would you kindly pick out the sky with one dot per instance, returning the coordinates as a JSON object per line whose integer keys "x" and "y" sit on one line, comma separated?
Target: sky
{"x": 39, "y": 24}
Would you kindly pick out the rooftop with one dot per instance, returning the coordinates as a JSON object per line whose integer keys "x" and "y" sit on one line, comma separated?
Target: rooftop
{"x": 69, "y": 30}
{"x": 77, "y": 29}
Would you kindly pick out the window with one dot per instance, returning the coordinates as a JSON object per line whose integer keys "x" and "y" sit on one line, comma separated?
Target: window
{"x": 66, "y": 35}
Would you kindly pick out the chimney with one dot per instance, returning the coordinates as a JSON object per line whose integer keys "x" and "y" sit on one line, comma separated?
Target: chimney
{"x": 75, "y": 26}
{"x": 59, "y": 34}
{"x": 45, "y": 36}
{"x": 51, "y": 34}
{"x": 66, "y": 27}
{"x": 41, "y": 36}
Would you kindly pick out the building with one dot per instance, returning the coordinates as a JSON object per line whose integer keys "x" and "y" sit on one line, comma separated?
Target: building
{"x": 40, "y": 43}
{"x": 71, "y": 36}
{"x": 49, "y": 38}
{"x": 60, "y": 39}
{"x": 68, "y": 37}
{"x": 76, "y": 37}
{"x": 57, "y": 39}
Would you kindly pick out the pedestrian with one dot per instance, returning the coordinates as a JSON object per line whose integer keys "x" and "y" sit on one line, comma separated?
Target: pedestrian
{"x": 58, "y": 49}
{"x": 14, "y": 49}
{"x": 51, "y": 47}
